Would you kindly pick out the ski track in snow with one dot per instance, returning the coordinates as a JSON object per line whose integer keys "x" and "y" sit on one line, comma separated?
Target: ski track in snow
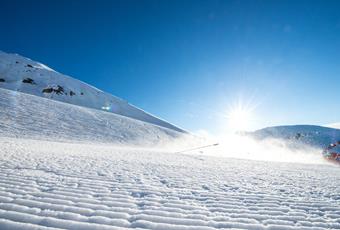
{"x": 50, "y": 185}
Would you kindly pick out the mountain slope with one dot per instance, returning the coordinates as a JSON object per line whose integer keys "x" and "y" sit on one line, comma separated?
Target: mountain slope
{"x": 28, "y": 116}
{"x": 24, "y": 75}
{"x": 316, "y": 136}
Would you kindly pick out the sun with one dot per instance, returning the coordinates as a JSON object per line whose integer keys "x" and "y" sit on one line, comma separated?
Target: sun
{"x": 239, "y": 118}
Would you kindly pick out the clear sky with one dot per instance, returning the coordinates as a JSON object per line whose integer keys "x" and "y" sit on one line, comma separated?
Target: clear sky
{"x": 192, "y": 62}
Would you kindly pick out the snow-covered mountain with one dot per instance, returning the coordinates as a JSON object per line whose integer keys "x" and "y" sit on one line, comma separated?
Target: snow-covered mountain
{"x": 316, "y": 136}
{"x": 24, "y": 75}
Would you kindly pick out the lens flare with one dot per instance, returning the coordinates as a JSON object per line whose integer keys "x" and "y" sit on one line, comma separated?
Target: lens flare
{"x": 239, "y": 118}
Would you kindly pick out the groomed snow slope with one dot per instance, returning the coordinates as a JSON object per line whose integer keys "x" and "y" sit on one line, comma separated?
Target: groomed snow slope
{"x": 24, "y": 75}
{"x": 50, "y": 185}
{"x": 28, "y": 116}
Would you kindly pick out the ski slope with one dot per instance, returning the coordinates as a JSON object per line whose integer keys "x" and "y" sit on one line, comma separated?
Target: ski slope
{"x": 55, "y": 185}
{"x": 32, "y": 117}
{"x": 24, "y": 75}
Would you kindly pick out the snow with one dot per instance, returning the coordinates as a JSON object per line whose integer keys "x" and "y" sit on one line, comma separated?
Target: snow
{"x": 28, "y": 116}
{"x": 47, "y": 185}
{"x": 335, "y": 125}
{"x": 311, "y": 135}
{"x": 15, "y": 68}
{"x": 74, "y": 166}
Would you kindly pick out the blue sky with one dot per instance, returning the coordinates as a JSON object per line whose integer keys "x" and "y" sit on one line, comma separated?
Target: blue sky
{"x": 191, "y": 62}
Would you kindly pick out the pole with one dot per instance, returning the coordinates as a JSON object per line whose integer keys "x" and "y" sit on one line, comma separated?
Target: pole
{"x": 201, "y": 147}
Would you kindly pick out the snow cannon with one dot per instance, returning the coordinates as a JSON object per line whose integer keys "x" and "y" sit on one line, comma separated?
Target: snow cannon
{"x": 330, "y": 153}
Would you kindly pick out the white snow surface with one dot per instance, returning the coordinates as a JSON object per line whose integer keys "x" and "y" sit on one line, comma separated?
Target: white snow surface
{"x": 15, "y": 69}
{"x": 55, "y": 185}
{"x": 32, "y": 117}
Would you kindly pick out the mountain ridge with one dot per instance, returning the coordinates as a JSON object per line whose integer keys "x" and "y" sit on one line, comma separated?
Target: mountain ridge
{"x": 313, "y": 135}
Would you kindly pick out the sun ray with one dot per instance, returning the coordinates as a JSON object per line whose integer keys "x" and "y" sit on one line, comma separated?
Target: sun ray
{"x": 240, "y": 117}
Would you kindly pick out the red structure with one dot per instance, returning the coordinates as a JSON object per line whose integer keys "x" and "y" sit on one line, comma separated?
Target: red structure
{"x": 330, "y": 154}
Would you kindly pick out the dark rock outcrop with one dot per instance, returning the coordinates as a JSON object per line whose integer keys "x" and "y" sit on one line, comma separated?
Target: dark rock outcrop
{"x": 58, "y": 90}
{"x": 47, "y": 90}
{"x": 28, "y": 81}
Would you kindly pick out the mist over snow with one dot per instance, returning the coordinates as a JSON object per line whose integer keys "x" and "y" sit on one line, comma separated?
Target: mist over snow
{"x": 269, "y": 149}
{"x": 334, "y": 125}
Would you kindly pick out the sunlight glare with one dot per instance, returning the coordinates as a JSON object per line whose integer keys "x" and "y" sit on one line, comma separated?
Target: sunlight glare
{"x": 239, "y": 118}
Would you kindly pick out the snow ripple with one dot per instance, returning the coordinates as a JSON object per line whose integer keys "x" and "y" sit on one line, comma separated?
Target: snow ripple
{"x": 46, "y": 185}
